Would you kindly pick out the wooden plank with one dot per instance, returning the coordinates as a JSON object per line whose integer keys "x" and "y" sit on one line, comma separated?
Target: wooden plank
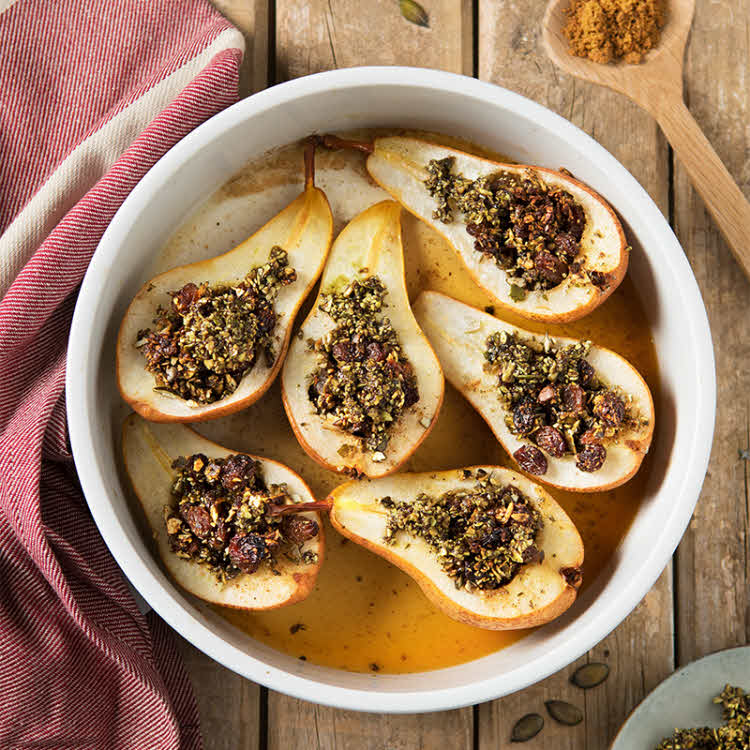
{"x": 229, "y": 705}
{"x": 316, "y": 35}
{"x": 713, "y": 559}
{"x": 639, "y": 652}
{"x": 251, "y": 17}
{"x": 293, "y": 723}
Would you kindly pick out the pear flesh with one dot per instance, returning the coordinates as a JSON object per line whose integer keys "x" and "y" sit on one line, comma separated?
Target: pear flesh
{"x": 540, "y": 591}
{"x": 304, "y": 230}
{"x": 149, "y": 449}
{"x": 399, "y": 165}
{"x": 459, "y": 333}
{"x": 370, "y": 245}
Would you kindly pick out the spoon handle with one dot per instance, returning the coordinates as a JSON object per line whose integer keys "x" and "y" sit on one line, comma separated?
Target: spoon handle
{"x": 723, "y": 198}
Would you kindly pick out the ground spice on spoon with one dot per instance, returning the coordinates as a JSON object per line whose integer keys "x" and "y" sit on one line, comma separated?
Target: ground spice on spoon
{"x": 611, "y": 30}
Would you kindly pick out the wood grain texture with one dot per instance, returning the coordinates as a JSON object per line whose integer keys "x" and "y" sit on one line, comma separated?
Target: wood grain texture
{"x": 252, "y": 18}
{"x": 316, "y": 35}
{"x": 311, "y": 36}
{"x": 712, "y": 562}
{"x": 229, "y": 705}
{"x": 296, "y": 724}
{"x": 640, "y": 651}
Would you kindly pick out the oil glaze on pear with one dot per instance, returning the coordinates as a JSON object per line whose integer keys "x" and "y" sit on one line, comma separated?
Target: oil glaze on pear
{"x": 304, "y": 230}
{"x": 540, "y": 591}
{"x": 370, "y": 245}
{"x": 149, "y": 450}
{"x": 459, "y": 332}
{"x": 399, "y": 165}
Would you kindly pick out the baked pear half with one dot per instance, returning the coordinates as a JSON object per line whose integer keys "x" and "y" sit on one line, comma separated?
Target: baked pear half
{"x": 150, "y": 451}
{"x": 226, "y": 321}
{"x": 490, "y": 541}
{"x": 362, "y": 386}
{"x": 575, "y": 415}
{"x": 540, "y": 242}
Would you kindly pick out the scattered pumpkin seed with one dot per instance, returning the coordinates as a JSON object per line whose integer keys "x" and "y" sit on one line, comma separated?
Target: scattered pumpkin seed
{"x": 590, "y": 675}
{"x": 414, "y": 13}
{"x": 564, "y": 713}
{"x": 527, "y": 727}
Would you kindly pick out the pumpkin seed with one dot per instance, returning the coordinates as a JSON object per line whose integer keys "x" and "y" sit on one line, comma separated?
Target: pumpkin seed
{"x": 414, "y": 13}
{"x": 527, "y": 727}
{"x": 564, "y": 713}
{"x": 590, "y": 675}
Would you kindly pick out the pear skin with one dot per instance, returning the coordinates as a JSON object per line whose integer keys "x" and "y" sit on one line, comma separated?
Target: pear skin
{"x": 149, "y": 449}
{"x": 459, "y": 332}
{"x": 369, "y": 245}
{"x": 540, "y": 591}
{"x": 399, "y": 165}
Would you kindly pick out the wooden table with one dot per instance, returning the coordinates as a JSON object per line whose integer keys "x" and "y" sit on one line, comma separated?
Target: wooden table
{"x": 701, "y": 602}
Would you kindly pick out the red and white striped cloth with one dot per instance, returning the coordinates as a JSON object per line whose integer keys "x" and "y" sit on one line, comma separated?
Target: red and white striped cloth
{"x": 91, "y": 95}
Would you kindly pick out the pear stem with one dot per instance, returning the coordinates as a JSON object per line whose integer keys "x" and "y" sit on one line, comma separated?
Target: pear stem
{"x": 310, "y": 145}
{"x": 282, "y": 510}
{"x": 334, "y": 143}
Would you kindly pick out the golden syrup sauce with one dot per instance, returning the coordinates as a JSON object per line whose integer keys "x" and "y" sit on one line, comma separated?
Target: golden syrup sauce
{"x": 364, "y": 614}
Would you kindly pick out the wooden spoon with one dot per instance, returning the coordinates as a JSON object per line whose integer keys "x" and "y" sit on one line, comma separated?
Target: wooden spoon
{"x": 656, "y": 85}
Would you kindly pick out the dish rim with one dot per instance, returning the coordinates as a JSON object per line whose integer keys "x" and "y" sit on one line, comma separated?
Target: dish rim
{"x": 199, "y": 633}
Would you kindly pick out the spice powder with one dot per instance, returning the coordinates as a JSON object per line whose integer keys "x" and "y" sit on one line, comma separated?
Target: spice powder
{"x": 609, "y": 30}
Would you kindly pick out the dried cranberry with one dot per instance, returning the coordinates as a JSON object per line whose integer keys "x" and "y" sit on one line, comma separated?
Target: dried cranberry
{"x": 238, "y": 472}
{"x": 566, "y": 245}
{"x": 159, "y": 347}
{"x": 246, "y": 551}
{"x": 266, "y": 319}
{"x": 343, "y": 351}
{"x": 574, "y": 397}
{"x": 525, "y": 417}
{"x": 589, "y": 438}
{"x": 298, "y": 529}
{"x": 591, "y": 458}
{"x": 610, "y": 408}
{"x": 221, "y": 532}
{"x": 411, "y": 392}
{"x": 499, "y": 535}
{"x": 585, "y": 372}
{"x": 551, "y": 441}
{"x": 184, "y": 299}
{"x": 546, "y": 394}
{"x": 531, "y": 459}
{"x": 376, "y": 352}
{"x": 599, "y": 279}
{"x": 400, "y": 367}
{"x": 531, "y": 553}
{"x": 198, "y": 520}
{"x": 577, "y": 221}
{"x": 572, "y": 576}
{"x": 552, "y": 269}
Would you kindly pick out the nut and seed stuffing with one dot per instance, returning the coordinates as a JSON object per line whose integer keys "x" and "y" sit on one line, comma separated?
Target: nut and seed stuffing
{"x": 211, "y": 336}
{"x": 481, "y": 535}
{"x": 734, "y": 734}
{"x": 363, "y": 381}
{"x": 224, "y": 516}
{"x": 530, "y": 229}
{"x": 556, "y": 401}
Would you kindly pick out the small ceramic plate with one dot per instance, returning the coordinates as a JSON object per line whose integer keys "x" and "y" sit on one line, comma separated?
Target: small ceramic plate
{"x": 685, "y": 699}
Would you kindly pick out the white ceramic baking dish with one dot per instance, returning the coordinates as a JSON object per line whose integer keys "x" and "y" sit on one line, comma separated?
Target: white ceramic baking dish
{"x": 507, "y": 123}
